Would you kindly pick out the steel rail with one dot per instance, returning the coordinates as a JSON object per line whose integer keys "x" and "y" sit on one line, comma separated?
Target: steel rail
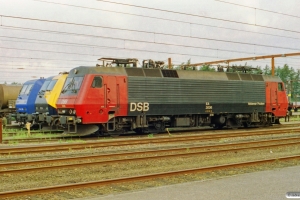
{"x": 55, "y": 138}
{"x": 135, "y": 153}
{"x": 77, "y": 136}
{"x": 32, "y": 140}
{"x": 99, "y": 144}
{"x": 84, "y": 164}
{"x": 140, "y": 178}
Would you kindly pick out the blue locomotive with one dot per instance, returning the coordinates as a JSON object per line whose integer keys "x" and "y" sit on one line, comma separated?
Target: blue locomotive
{"x": 25, "y": 104}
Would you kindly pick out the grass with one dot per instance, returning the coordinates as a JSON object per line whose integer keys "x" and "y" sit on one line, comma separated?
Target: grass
{"x": 23, "y": 134}
{"x": 150, "y": 135}
{"x": 294, "y": 118}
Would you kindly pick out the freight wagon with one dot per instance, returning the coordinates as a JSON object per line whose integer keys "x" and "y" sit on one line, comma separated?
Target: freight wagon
{"x": 8, "y": 96}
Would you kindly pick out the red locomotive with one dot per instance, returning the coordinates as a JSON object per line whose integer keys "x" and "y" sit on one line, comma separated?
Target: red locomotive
{"x": 127, "y": 98}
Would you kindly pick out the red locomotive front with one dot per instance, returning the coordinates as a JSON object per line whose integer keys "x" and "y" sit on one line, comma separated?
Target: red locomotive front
{"x": 92, "y": 96}
{"x": 276, "y": 99}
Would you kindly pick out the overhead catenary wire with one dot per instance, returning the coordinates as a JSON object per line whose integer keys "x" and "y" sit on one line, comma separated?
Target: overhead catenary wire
{"x": 100, "y": 46}
{"x": 151, "y": 32}
{"x": 240, "y": 43}
{"x": 152, "y": 51}
{"x": 165, "y": 19}
{"x": 44, "y": 59}
{"x": 265, "y": 10}
{"x": 130, "y": 40}
{"x": 10, "y": 68}
{"x": 199, "y": 16}
{"x": 67, "y": 43}
{"x": 121, "y": 39}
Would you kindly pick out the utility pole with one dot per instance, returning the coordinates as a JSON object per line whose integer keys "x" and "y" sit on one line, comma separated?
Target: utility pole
{"x": 0, "y": 130}
{"x": 273, "y": 66}
{"x": 169, "y": 63}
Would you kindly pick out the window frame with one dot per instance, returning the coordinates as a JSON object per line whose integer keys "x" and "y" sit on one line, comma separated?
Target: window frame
{"x": 97, "y": 85}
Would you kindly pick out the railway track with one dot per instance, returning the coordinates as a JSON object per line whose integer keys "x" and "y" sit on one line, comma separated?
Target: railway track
{"x": 10, "y": 194}
{"x": 133, "y": 135}
{"x": 39, "y": 139}
{"x": 175, "y": 152}
{"x": 158, "y": 140}
{"x": 167, "y": 153}
{"x": 56, "y": 138}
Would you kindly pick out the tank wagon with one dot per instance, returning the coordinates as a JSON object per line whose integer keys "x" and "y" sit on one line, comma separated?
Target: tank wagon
{"x": 45, "y": 103}
{"x": 25, "y": 104}
{"x": 121, "y": 99}
{"x": 8, "y": 96}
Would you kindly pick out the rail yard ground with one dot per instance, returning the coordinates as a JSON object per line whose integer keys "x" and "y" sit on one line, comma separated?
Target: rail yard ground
{"x": 117, "y": 162}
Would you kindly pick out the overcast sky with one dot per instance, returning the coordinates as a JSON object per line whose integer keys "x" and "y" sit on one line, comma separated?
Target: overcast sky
{"x": 42, "y": 38}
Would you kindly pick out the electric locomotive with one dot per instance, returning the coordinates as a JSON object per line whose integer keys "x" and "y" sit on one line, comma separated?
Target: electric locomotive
{"x": 149, "y": 99}
{"x": 25, "y": 103}
{"x": 45, "y": 103}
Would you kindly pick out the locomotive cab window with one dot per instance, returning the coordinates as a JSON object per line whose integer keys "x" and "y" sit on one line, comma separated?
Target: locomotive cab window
{"x": 23, "y": 89}
{"x": 51, "y": 85}
{"x": 280, "y": 87}
{"x": 26, "y": 89}
{"x": 97, "y": 82}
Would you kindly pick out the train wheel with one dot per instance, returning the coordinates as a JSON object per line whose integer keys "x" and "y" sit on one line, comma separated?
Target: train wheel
{"x": 218, "y": 126}
{"x": 141, "y": 130}
{"x": 35, "y": 126}
{"x": 159, "y": 127}
{"x": 247, "y": 124}
{"x": 231, "y": 123}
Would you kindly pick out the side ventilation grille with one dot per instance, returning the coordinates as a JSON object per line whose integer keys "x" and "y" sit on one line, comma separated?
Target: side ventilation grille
{"x": 233, "y": 76}
{"x": 169, "y": 73}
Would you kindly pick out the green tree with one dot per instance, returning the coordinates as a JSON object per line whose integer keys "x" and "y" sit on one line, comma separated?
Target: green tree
{"x": 186, "y": 66}
{"x": 16, "y": 83}
{"x": 207, "y": 68}
{"x": 286, "y": 73}
{"x": 291, "y": 80}
{"x": 266, "y": 70}
{"x": 256, "y": 70}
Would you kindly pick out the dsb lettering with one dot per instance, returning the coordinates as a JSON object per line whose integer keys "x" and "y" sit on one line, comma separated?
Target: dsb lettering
{"x": 140, "y": 106}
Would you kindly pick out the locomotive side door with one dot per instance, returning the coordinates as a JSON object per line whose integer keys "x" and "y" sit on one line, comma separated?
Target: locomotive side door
{"x": 282, "y": 100}
{"x": 271, "y": 100}
{"x": 111, "y": 100}
{"x": 111, "y": 94}
{"x": 102, "y": 98}
{"x": 278, "y": 100}
{"x": 95, "y": 110}
{"x": 274, "y": 96}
